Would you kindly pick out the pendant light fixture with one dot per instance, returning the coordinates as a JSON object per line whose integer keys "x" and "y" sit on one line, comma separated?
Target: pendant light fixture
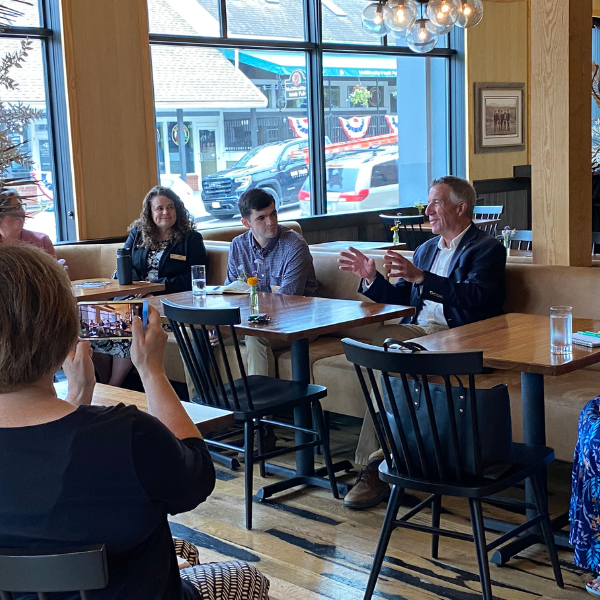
{"x": 422, "y": 22}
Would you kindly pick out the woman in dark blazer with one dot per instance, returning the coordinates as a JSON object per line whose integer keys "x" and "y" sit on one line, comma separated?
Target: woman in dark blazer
{"x": 164, "y": 245}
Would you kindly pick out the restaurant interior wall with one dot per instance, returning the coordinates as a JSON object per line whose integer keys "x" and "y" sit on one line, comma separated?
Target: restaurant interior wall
{"x": 497, "y": 51}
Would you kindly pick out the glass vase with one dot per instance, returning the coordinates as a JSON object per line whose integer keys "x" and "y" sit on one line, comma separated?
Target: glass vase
{"x": 395, "y": 237}
{"x": 254, "y": 310}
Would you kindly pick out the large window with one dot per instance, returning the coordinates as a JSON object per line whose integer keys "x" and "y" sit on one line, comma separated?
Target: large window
{"x": 26, "y": 117}
{"x": 366, "y": 133}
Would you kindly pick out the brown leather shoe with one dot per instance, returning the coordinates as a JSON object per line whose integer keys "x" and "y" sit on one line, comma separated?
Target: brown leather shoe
{"x": 368, "y": 491}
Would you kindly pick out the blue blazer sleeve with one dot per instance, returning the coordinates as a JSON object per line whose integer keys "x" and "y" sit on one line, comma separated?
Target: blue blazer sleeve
{"x": 479, "y": 279}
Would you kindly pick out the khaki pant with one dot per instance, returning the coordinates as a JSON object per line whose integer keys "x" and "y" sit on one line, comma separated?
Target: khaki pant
{"x": 367, "y": 441}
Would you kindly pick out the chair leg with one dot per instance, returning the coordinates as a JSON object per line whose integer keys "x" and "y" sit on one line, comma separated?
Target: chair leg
{"x": 384, "y": 538}
{"x": 436, "y": 508}
{"x": 480, "y": 547}
{"x": 541, "y": 502}
{"x": 259, "y": 439}
{"x": 324, "y": 436}
{"x": 249, "y": 466}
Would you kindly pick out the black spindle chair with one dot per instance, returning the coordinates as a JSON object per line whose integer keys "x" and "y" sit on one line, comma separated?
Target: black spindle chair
{"x": 251, "y": 398}
{"x": 427, "y": 461}
{"x": 409, "y": 229}
{"x": 522, "y": 240}
{"x": 488, "y": 212}
{"x": 595, "y": 242}
{"x": 71, "y": 570}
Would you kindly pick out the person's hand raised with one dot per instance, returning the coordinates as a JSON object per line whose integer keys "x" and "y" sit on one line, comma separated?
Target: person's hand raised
{"x": 148, "y": 347}
{"x": 355, "y": 261}
{"x": 397, "y": 266}
{"x": 79, "y": 370}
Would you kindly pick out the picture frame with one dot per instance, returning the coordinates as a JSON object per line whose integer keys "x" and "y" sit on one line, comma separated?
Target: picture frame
{"x": 499, "y": 117}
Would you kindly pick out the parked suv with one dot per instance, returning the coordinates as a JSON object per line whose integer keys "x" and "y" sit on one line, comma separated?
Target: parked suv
{"x": 277, "y": 167}
{"x": 357, "y": 181}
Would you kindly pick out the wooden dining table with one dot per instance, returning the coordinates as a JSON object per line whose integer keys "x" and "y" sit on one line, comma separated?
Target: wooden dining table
{"x": 106, "y": 289}
{"x": 206, "y": 418}
{"x": 338, "y": 246}
{"x": 521, "y": 342}
{"x": 295, "y": 319}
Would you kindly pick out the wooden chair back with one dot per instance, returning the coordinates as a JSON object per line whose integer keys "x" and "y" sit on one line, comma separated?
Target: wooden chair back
{"x": 522, "y": 240}
{"x": 416, "y": 446}
{"x": 488, "y": 212}
{"x": 208, "y": 364}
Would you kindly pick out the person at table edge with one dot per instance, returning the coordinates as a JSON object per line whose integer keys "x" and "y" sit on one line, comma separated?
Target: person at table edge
{"x": 285, "y": 259}
{"x": 454, "y": 279}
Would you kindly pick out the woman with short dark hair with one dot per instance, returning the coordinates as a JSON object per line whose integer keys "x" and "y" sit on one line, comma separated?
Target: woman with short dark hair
{"x": 164, "y": 246}
{"x": 73, "y": 474}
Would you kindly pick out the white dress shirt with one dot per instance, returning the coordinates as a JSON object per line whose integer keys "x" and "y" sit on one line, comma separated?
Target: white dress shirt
{"x": 433, "y": 312}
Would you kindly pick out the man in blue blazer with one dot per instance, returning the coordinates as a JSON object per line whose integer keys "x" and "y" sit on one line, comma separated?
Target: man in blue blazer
{"x": 455, "y": 278}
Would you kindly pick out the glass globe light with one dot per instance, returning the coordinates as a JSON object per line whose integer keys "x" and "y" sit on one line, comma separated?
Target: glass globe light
{"x": 443, "y": 13}
{"x": 404, "y": 14}
{"x": 375, "y": 18}
{"x": 470, "y": 13}
{"x": 422, "y": 36}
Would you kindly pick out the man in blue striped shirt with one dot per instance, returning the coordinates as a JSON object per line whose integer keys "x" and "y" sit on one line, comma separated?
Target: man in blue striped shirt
{"x": 283, "y": 262}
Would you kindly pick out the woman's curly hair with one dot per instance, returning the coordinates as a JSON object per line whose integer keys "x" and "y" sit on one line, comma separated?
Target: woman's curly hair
{"x": 145, "y": 224}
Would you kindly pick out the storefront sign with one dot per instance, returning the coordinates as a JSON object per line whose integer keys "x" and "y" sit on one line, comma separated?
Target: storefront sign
{"x": 295, "y": 86}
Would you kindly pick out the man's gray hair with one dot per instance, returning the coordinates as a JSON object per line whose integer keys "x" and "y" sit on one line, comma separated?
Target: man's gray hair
{"x": 461, "y": 190}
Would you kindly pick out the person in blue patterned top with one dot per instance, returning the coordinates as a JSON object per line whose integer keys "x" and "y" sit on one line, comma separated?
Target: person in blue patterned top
{"x": 584, "y": 512}
{"x": 283, "y": 261}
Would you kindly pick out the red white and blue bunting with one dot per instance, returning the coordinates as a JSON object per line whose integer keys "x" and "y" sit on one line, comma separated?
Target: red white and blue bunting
{"x": 392, "y": 121}
{"x": 299, "y": 126}
{"x": 356, "y": 127}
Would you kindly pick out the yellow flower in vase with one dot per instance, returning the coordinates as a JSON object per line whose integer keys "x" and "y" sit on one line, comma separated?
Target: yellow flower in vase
{"x": 395, "y": 235}
{"x": 253, "y": 282}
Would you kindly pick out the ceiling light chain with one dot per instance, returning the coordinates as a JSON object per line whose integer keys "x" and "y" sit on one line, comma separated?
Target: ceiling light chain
{"x": 421, "y": 28}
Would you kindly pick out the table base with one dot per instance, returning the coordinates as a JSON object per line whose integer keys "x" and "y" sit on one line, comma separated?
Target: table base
{"x": 294, "y": 480}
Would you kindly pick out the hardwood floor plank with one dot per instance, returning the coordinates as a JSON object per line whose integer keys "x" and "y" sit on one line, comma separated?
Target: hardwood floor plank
{"x": 312, "y": 548}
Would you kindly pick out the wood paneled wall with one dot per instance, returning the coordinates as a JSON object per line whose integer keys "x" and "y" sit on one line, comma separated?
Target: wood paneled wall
{"x": 110, "y": 99}
{"x": 497, "y": 51}
{"x": 561, "y": 178}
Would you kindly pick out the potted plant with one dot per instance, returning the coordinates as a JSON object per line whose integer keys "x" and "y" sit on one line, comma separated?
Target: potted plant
{"x": 360, "y": 96}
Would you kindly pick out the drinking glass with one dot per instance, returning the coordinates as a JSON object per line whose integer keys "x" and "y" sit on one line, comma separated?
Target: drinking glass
{"x": 561, "y": 329}
{"x": 198, "y": 280}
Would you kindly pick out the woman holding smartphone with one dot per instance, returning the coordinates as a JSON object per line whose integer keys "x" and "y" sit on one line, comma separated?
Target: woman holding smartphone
{"x": 164, "y": 245}
{"x": 77, "y": 475}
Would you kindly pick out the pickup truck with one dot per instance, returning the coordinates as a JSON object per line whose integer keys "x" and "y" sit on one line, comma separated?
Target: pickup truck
{"x": 277, "y": 167}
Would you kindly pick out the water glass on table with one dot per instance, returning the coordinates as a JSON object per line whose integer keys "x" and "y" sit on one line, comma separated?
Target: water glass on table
{"x": 198, "y": 280}
{"x": 561, "y": 329}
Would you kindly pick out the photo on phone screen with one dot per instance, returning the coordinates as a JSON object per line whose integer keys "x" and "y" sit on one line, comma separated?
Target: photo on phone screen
{"x": 110, "y": 320}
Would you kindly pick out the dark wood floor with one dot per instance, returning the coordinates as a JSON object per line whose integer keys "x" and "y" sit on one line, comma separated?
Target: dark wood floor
{"x": 312, "y": 548}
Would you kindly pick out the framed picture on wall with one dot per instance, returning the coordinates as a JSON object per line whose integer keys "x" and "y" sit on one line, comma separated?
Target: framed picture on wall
{"x": 499, "y": 117}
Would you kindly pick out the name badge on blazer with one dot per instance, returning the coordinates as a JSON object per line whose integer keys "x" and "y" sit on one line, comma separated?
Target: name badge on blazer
{"x": 178, "y": 257}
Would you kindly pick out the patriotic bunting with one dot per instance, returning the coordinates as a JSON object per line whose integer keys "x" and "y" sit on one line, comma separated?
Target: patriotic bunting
{"x": 356, "y": 127}
{"x": 299, "y": 126}
{"x": 392, "y": 121}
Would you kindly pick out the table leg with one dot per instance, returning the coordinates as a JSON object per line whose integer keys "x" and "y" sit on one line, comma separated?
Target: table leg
{"x": 534, "y": 433}
{"x": 305, "y": 473}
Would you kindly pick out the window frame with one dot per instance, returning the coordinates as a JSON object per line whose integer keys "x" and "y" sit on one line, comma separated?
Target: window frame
{"x": 315, "y": 48}
{"x": 49, "y": 34}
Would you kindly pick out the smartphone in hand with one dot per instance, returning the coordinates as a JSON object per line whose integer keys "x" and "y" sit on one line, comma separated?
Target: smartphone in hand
{"x": 103, "y": 321}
